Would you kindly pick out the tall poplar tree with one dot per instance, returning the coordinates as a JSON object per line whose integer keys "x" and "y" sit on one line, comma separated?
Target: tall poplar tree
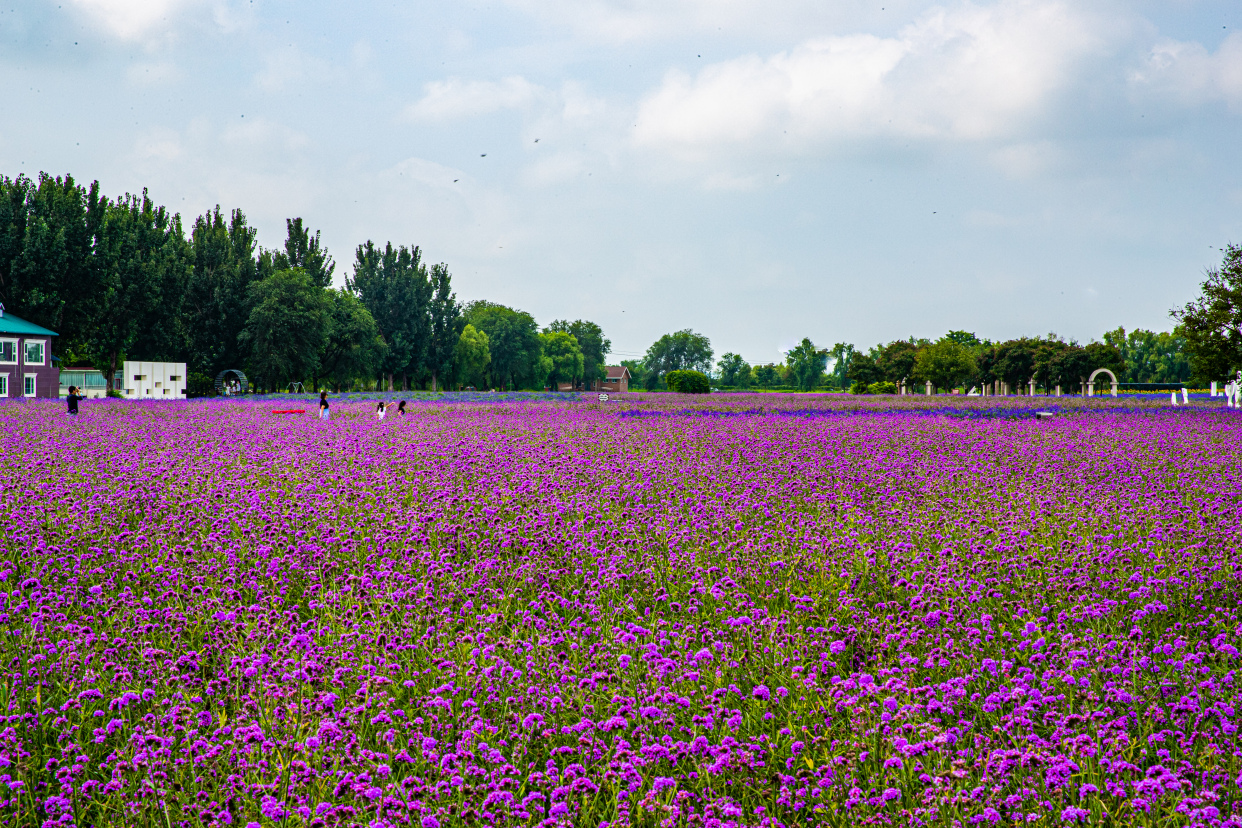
{"x": 218, "y": 298}
{"x": 302, "y": 250}
{"x": 445, "y": 326}
{"x": 144, "y": 266}
{"x": 593, "y": 344}
{"x": 392, "y": 283}
{"x": 48, "y": 230}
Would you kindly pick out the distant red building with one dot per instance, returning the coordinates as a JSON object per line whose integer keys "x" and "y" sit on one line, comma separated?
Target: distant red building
{"x": 26, "y": 368}
{"x": 618, "y": 379}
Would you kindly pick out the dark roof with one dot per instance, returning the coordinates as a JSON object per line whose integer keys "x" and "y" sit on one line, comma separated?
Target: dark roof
{"x": 617, "y": 371}
{"x": 10, "y": 324}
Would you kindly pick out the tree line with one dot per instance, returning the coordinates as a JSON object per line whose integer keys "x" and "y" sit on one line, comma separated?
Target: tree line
{"x": 959, "y": 359}
{"x": 123, "y": 278}
{"x": 1204, "y": 346}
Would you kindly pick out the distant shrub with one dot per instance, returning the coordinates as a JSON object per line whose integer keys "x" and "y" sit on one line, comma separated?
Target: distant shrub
{"x": 199, "y": 385}
{"x": 860, "y": 387}
{"x": 882, "y": 388}
{"x": 688, "y": 382}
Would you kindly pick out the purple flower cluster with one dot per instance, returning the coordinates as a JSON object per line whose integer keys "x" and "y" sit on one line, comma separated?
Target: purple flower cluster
{"x": 741, "y": 610}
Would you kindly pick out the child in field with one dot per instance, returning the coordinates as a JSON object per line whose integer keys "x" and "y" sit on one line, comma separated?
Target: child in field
{"x": 73, "y": 399}
{"x": 381, "y": 409}
{"x": 401, "y": 407}
{"x": 323, "y": 406}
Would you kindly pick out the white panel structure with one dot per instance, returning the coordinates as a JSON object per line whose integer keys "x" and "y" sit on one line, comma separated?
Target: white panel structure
{"x": 153, "y": 380}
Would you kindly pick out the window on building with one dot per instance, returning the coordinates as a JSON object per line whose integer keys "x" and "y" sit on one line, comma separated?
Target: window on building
{"x": 8, "y": 350}
{"x": 4, "y": 385}
{"x": 34, "y": 352}
{"x": 30, "y": 387}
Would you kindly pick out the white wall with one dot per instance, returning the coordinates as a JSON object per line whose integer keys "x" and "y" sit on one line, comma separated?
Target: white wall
{"x": 153, "y": 380}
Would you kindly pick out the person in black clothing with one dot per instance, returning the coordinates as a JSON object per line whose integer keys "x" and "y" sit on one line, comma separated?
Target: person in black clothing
{"x": 401, "y": 407}
{"x": 73, "y": 398}
{"x": 323, "y": 406}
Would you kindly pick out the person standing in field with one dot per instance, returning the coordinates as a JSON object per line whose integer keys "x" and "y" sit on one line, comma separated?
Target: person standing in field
{"x": 73, "y": 399}
{"x": 401, "y": 407}
{"x": 324, "y": 413}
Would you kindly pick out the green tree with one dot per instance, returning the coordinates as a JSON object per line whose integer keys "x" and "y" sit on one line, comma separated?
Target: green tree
{"x": 353, "y": 347}
{"x": 638, "y": 372}
{"x": 688, "y": 382}
{"x": 143, "y": 264}
{"x": 302, "y": 250}
{"x": 48, "y": 268}
{"x": 734, "y": 371}
{"x": 1070, "y": 367}
{"x": 1046, "y": 352}
{"x": 594, "y": 345}
{"x": 513, "y": 341}
{"x": 1211, "y": 324}
{"x": 680, "y": 351}
{"x": 965, "y": 338}
{"x": 393, "y": 285}
{"x": 290, "y": 320}
{"x": 896, "y": 360}
{"x": 768, "y": 376}
{"x": 807, "y": 364}
{"x": 842, "y": 355}
{"x": 225, "y": 264}
{"x": 565, "y": 360}
{"x": 445, "y": 326}
{"x": 946, "y": 364}
{"x": 1012, "y": 361}
{"x": 863, "y": 371}
{"x": 472, "y": 356}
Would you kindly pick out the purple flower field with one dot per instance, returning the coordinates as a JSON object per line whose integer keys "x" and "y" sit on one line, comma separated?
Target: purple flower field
{"x": 739, "y": 610}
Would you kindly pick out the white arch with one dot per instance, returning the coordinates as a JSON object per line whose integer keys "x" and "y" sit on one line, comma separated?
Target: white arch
{"x": 1096, "y": 373}
{"x": 1099, "y": 371}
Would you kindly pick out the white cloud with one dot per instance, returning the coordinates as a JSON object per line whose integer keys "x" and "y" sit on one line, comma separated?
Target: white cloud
{"x": 968, "y": 73}
{"x": 130, "y": 18}
{"x": 1188, "y": 73}
{"x": 456, "y": 98}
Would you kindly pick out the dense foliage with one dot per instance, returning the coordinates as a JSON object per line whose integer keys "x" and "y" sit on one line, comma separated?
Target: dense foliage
{"x": 681, "y": 351}
{"x": 1212, "y": 323}
{"x": 121, "y": 279}
{"x": 688, "y": 382}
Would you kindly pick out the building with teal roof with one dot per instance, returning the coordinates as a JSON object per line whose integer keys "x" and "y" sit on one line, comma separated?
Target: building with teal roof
{"x": 26, "y": 367}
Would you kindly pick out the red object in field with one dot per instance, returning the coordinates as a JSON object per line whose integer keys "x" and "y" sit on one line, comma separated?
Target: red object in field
{"x": 289, "y": 411}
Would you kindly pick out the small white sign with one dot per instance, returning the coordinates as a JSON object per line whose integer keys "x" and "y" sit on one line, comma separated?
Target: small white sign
{"x": 603, "y": 398}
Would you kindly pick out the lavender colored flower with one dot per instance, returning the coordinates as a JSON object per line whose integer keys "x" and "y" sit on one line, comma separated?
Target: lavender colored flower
{"x": 542, "y": 611}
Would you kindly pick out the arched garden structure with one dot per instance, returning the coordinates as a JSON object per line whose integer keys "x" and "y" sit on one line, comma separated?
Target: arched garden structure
{"x": 230, "y": 376}
{"x": 1096, "y": 373}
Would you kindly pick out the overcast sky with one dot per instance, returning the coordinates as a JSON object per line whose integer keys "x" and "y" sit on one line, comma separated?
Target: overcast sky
{"x": 757, "y": 171}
